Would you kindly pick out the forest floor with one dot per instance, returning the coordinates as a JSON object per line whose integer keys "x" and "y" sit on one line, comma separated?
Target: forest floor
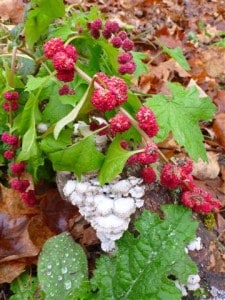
{"x": 198, "y": 27}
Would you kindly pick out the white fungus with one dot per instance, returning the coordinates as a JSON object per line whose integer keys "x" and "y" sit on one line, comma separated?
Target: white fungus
{"x": 108, "y": 208}
{"x": 195, "y": 244}
{"x": 42, "y": 127}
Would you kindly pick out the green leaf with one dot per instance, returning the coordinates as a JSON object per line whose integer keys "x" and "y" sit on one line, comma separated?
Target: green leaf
{"x": 73, "y": 114}
{"x": 176, "y": 54}
{"x": 40, "y": 17}
{"x": 220, "y": 43}
{"x": 138, "y": 59}
{"x": 79, "y": 158}
{"x": 181, "y": 114}
{"x": 25, "y": 287}
{"x": 34, "y": 83}
{"x": 114, "y": 162}
{"x": 149, "y": 259}
{"x": 50, "y": 144}
{"x": 62, "y": 268}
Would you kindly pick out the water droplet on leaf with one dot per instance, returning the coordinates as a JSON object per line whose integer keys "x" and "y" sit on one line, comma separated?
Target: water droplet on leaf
{"x": 67, "y": 284}
{"x": 64, "y": 270}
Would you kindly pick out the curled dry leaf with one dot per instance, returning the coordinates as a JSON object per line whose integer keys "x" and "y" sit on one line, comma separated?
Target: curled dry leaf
{"x": 207, "y": 170}
{"x": 219, "y": 128}
{"x": 10, "y": 270}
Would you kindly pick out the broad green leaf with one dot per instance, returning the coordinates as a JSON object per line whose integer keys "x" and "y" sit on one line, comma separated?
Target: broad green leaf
{"x": 144, "y": 263}
{"x": 50, "y": 144}
{"x": 34, "y": 83}
{"x": 62, "y": 268}
{"x": 220, "y": 43}
{"x": 140, "y": 65}
{"x": 29, "y": 144}
{"x": 181, "y": 114}
{"x": 177, "y": 54}
{"x": 73, "y": 114}
{"x": 114, "y": 162}
{"x": 79, "y": 158}
{"x": 39, "y": 19}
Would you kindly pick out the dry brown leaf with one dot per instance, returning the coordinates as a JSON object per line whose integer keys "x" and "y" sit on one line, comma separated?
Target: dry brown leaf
{"x": 89, "y": 237}
{"x": 214, "y": 61}
{"x": 219, "y": 128}
{"x": 207, "y": 170}
{"x": 10, "y": 270}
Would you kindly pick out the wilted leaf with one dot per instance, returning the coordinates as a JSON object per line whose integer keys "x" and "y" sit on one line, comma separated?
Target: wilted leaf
{"x": 207, "y": 170}
{"x": 12, "y": 9}
{"x": 219, "y": 128}
{"x": 10, "y": 270}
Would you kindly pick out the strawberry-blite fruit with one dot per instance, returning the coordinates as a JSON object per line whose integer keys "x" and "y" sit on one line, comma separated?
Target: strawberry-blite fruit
{"x": 200, "y": 201}
{"x": 9, "y": 154}
{"x": 127, "y": 45}
{"x": 113, "y": 93}
{"x": 52, "y": 47}
{"x": 122, "y": 34}
{"x": 28, "y": 197}
{"x": 11, "y": 95}
{"x": 148, "y": 174}
{"x": 149, "y": 156}
{"x": 103, "y": 99}
{"x": 175, "y": 174}
{"x": 10, "y": 139}
{"x": 19, "y": 185}
{"x": 62, "y": 62}
{"x": 66, "y": 90}
{"x": 124, "y": 144}
{"x": 119, "y": 123}
{"x": 127, "y": 68}
{"x": 96, "y": 24}
{"x": 147, "y": 121}
{"x": 65, "y": 76}
{"x": 95, "y": 33}
{"x": 116, "y": 42}
{"x": 10, "y": 106}
{"x": 18, "y": 168}
{"x": 71, "y": 52}
{"x": 107, "y": 33}
{"x": 112, "y": 26}
{"x": 124, "y": 57}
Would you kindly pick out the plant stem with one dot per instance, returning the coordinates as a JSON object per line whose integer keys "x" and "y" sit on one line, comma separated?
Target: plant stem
{"x": 132, "y": 120}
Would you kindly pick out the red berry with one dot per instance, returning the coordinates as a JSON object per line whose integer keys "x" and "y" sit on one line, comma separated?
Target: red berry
{"x": 95, "y": 33}
{"x": 112, "y": 26}
{"x": 18, "y": 168}
{"x": 103, "y": 100}
{"x": 9, "y": 154}
{"x": 170, "y": 176}
{"x": 116, "y": 42}
{"x": 119, "y": 123}
{"x": 124, "y": 58}
{"x": 29, "y": 198}
{"x": 71, "y": 52}
{"x": 119, "y": 88}
{"x": 149, "y": 156}
{"x": 122, "y": 35}
{"x": 96, "y": 24}
{"x": 64, "y": 90}
{"x": 62, "y": 62}
{"x": 127, "y": 68}
{"x": 65, "y": 76}
{"x": 147, "y": 121}
{"x": 11, "y": 95}
{"x": 52, "y": 47}
{"x": 10, "y": 106}
{"x": 107, "y": 33}
{"x": 127, "y": 45}
{"x": 19, "y": 185}
{"x": 124, "y": 144}
{"x": 148, "y": 174}
{"x": 10, "y": 139}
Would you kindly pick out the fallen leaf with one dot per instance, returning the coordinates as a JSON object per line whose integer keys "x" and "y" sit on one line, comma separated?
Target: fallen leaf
{"x": 10, "y": 270}
{"x": 89, "y": 237}
{"x": 219, "y": 128}
{"x": 207, "y": 170}
{"x": 12, "y": 10}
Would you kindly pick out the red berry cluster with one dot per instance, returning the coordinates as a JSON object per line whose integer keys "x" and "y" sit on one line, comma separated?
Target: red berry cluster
{"x": 11, "y": 101}
{"x": 66, "y": 90}
{"x": 147, "y": 121}
{"x": 63, "y": 58}
{"x": 17, "y": 168}
{"x": 119, "y": 39}
{"x": 112, "y": 93}
{"x": 119, "y": 123}
{"x": 179, "y": 175}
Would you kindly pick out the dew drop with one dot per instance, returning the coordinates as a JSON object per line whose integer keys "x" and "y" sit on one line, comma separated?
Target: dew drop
{"x": 48, "y": 273}
{"x": 64, "y": 270}
{"x": 52, "y": 294}
{"x": 57, "y": 264}
{"x": 67, "y": 284}
{"x": 49, "y": 266}
{"x": 67, "y": 254}
{"x": 60, "y": 278}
